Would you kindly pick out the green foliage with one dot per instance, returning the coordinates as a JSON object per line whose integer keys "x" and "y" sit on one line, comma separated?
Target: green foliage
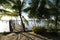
{"x": 9, "y": 14}
{"x": 38, "y": 29}
{"x": 6, "y": 6}
{"x": 4, "y": 1}
{"x": 38, "y": 9}
{"x": 27, "y": 9}
{"x": 3, "y": 10}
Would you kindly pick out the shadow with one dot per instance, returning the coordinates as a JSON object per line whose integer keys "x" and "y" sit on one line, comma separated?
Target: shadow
{"x": 27, "y": 36}
{"x": 5, "y": 33}
{"x": 38, "y": 36}
{"x": 49, "y": 35}
{"x": 28, "y": 31}
{"x": 44, "y": 36}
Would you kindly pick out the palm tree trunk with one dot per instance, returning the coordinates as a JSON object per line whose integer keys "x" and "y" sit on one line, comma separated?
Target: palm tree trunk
{"x": 56, "y": 19}
{"x": 48, "y": 25}
{"x": 56, "y": 14}
{"x": 34, "y": 22}
{"x": 22, "y": 22}
{"x": 10, "y": 26}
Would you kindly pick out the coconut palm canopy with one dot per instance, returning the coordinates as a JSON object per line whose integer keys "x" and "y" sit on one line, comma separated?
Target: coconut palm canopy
{"x": 44, "y": 9}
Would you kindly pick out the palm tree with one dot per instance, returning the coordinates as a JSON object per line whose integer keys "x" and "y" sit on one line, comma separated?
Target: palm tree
{"x": 17, "y": 5}
{"x": 55, "y": 10}
{"x": 37, "y": 10}
{"x": 4, "y": 13}
{"x": 56, "y": 14}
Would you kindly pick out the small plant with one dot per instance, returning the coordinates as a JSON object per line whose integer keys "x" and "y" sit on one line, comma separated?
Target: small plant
{"x": 38, "y": 29}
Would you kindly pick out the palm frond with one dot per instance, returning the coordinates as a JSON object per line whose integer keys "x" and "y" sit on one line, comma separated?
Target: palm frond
{"x": 26, "y": 21}
{"x": 51, "y": 4}
{"x": 27, "y": 9}
{"x": 1, "y": 16}
{"x": 3, "y": 10}
{"x": 4, "y": 1}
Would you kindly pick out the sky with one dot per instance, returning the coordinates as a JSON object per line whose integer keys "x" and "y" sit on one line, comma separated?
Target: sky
{"x": 51, "y": 1}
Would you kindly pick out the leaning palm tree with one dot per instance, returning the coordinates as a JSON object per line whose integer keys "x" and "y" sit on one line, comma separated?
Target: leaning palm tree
{"x": 17, "y": 5}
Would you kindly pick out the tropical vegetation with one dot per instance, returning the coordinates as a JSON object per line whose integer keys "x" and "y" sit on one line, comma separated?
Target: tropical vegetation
{"x": 38, "y": 9}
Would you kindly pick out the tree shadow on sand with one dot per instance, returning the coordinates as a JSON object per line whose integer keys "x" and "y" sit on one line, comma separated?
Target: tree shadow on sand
{"x": 49, "y": 35}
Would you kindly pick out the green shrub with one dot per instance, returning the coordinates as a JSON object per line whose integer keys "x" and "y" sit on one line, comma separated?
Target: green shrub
{"x": 38, "y": 29}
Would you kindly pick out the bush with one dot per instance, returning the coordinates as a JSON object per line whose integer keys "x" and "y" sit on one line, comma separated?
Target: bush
{"x": 38, "y": 29}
